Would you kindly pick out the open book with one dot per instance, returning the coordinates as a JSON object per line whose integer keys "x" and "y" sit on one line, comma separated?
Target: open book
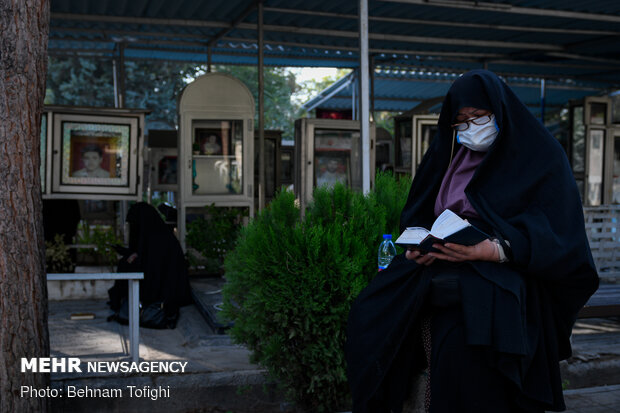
{"x": 448, "y": 227}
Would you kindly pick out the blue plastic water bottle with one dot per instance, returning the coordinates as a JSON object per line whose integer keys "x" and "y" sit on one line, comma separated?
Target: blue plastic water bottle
{"x": 387, "y": 251}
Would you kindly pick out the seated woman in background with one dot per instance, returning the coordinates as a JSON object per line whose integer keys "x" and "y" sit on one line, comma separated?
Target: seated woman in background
{"x": 489, "y": 322}
{"x": 154, "y": 250}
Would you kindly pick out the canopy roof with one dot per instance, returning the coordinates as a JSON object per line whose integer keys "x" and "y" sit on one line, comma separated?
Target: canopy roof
{"x": 555, "y": 39}
{"x": 396, "y": 90}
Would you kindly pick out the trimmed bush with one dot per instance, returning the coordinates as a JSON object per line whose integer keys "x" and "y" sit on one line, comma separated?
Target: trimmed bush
{"x": 291, "y": 283}
{"x": 213, "y": 236}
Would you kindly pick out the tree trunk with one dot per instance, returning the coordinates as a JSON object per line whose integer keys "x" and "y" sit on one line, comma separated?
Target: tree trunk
{"x": 24, "y": 27}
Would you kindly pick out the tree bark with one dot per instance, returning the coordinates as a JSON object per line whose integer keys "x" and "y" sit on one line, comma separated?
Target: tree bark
{"x": 24, "y": 27}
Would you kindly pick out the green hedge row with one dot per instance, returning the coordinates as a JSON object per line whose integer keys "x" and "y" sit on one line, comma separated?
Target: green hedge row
{"x": 291, "y": 283}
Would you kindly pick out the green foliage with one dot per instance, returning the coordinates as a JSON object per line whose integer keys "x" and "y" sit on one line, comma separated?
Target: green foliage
{"x": 386, "y": 120}
{"x": 157, "y": 87}
{"x": 308, "y": 89}
{"x": 291, "y": 283}
{"x": 280, "y": 112}
{"x": 214, "y": 236}
{"x": 102, "y": 237}
{"x": 57, "y": 258}
{"x": 392, "y": 194}
{"x": 79, "y": 82}
{"x": 88, "y": 82}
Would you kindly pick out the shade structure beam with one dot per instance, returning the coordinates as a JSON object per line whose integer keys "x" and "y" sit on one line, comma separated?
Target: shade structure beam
{"x": 249, "y": 9}
{"x": 509, "y": 8}
{"x": 386, "y": 19}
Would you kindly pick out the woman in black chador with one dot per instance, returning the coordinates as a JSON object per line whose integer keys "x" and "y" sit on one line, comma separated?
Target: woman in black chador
{"x": 491, "y": 321}
{"x": 154, "y": 250}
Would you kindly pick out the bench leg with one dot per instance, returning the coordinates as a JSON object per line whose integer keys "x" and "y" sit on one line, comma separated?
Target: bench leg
{"x": 134, "y": 320}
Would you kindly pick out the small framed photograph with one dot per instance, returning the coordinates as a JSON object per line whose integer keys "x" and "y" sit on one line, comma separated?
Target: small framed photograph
{"x": 95, "y": 154}
{"x": 164, "y": 169}
{"x": 332, "y": 167}
{"x": 167, "y": 171}
{"x": 97, "y": 210}
{"x": 598, "y": 113}
{"x": 209, "y": 141}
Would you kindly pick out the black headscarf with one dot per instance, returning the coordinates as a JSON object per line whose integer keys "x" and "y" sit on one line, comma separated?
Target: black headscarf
{"x": 524, "y": 188}
{"x": 160, "y": 257}
{"x": 525, "y": 193}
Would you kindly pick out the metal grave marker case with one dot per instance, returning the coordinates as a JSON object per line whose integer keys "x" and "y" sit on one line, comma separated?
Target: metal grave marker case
{"x": 594, "y": 150}
{"x": 216, "y": 145}
{"x": 413, "y": 135}
{"x": 273, "y": 143}
{"x": 329, "y": 151}
{"x": 94, "y": 153}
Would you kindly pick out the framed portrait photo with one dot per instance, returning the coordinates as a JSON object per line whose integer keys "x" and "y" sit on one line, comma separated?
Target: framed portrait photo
{"x": 332, "y": 167}
{"x": 209, "y": 141}
{"x": 164, "y": 169}
{"x": 95, "y": 154}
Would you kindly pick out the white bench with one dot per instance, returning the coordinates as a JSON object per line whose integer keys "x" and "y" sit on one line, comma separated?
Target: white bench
{"x": 133, "y": 279}
{"x": 603, "y": 229}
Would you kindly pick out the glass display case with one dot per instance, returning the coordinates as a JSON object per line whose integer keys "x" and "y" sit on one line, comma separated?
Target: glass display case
{"x": 93, "y": 153}
{"x": 161, "y": 165}
{"x": 216, "y": 146}
{"x": 414, "y": 134}
{"x": 273, "y": 142}
{"x": 384, "y": 150}
{"x": 217, "y": 157}
{"x": 163, "y": 169}
{"x": 329, "y": 151}
{"x": 594, "y": 150}
{"x": 287, "y": 164}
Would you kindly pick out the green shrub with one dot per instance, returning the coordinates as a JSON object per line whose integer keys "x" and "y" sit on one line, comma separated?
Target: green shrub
{"x": 57, "y": 257}
{"x": 291, "y": 284}
{"x": 212, "y": 237}
{"x": 103, "y": 237}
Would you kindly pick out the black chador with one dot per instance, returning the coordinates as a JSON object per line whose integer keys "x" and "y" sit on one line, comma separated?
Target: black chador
{"x": 498, "y": 349}
{"x": 154, "y": 250}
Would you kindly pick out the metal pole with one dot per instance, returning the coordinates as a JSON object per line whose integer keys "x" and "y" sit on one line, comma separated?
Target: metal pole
{"x": 121, "y": 77}
{"x": 115, "y": 80}
{"x": 364, "y": 109}
{"x": 261, "y": 112}
{"x": 209, "y": 57}
{"x": 354, "y": 96}
{"x": 372, "y": 88}
{"x": 542, "y": 100}
{"x": 119, "y": 102}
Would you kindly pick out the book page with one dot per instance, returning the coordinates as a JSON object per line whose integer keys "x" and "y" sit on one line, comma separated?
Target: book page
{"x": 412, "y": 236}
{"x": 447, "y": 223}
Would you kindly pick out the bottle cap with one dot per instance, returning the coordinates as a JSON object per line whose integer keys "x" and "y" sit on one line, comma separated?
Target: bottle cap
{"x": 387, "y": 236}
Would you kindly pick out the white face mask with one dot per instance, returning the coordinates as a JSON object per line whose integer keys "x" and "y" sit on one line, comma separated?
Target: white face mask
{"x": 479, "y": 138}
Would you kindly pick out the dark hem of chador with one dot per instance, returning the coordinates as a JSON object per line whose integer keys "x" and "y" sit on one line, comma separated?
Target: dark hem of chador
{"x": 393, "y": 358}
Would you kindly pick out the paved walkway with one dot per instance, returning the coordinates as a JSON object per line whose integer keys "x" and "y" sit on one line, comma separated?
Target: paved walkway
{"x": 603, "y": 399}
{"x": 220, "y": 377}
